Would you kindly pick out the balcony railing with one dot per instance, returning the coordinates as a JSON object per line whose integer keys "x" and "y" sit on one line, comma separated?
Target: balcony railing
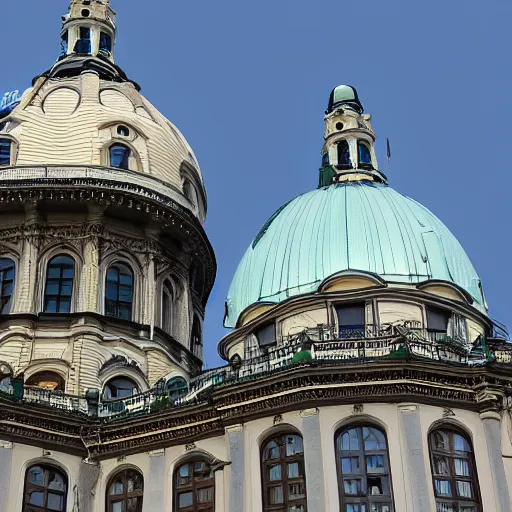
{"x": 323, "y": 344}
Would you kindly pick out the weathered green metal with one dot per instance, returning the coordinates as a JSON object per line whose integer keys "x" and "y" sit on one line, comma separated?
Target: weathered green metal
{"x": 359, "y": 225}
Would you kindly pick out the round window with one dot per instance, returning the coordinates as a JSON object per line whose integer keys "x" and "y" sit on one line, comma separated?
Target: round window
{"x": 123, "y": 131}
{"x": 86, "y": 13}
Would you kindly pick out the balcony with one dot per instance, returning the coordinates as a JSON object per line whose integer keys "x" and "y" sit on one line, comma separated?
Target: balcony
{"x": 324, "y": 345}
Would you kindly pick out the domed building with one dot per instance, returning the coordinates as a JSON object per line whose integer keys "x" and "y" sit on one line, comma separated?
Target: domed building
{"x": 362, "y": 370}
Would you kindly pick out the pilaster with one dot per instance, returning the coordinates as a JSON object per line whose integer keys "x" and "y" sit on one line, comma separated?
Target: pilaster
{"x": 154, "y": 491}
{"x": 313, "y": 459}
{"x": 413, "y": 438}
{"x": 5, "y": 473}
{"x": 235, "y": 436}
{"x": 87, "y": 479}
{"x": 492, "y": 422}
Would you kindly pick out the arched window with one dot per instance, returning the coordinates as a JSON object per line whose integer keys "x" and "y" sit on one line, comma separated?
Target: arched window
{"x": 190, "y": 191}
{"x": 83, "y": 44}
{"x": 365, "y": 157}
{"x": 46, "y": 380}
{"x": 119, "y": 387}
{"x": 7, "y": 272}
{"x": 167, "y": 306}
{"x": 64, "y": 43}
{"x": 46, "y": 489}
{"x": 119, "y": 294}
{"x": 59, "y": 285}
{"x": 453, "y": 472}
{"x": 363, "y": 470}
{"x": 125, "y": 491}
{"x": 120, "y": 156}
{"x": 177, "y": 387}
{"x": 196, "y": 338}
{"x": 5, "y": 151}
{"x": 194, "y": 487}
{"x": 283, "y": 475}
{"x": 344, "y": 161}
{"x": 105, "y": 44}
{"x": 325, "y": 160}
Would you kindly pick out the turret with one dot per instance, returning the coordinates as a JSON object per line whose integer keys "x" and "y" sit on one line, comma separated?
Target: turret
{"x": 348, "y": 153}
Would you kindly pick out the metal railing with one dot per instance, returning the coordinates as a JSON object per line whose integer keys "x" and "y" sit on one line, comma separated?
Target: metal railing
{"x": 323, "y": 344}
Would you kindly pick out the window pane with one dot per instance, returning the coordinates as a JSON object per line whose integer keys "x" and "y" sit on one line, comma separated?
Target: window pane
{"x": 275, "y": 473}
{"x": 294, "y": 445}
{"x": 296, "y": 508}
{"x": 116, "y": 488}
{"x": 443, "y": 488}
{"x": 356, "y": 508}
{"x": 464, "y": 489}
{"x": 37, "y": 498}
{"x": 445, "y": 507}
{"x": 374, "y": 463}
{"x": 56, "y": 482}
{"x": 134, "y": 505}
{"x": 461, "y": 467}
{"x": 441, "y": 465}
{"x": 36, "y": 476}
{"x": 51, "y": 306}
{"x": 296, "y": 491}
{"x": 460, "y": 444}
{"x": 205, "y": 495}
{"x": 185, "y": 499}
{"x": 352, "y": 486}
{"x": 272, "y": 451}
{"x": 293, "y": 470}
{"x": 64, "y": 306}
{"x": 118, "y": 506}
{"x": 275, "y": 495}
{"x": 350, "y": 465}
{"x": 55, "y": 502}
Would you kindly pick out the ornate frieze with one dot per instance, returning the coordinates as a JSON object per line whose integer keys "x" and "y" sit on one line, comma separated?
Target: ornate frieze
{"x": 476, "y": 389}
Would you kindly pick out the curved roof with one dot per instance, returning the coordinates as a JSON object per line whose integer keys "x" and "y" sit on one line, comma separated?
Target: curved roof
{"x": 356, "y": 225}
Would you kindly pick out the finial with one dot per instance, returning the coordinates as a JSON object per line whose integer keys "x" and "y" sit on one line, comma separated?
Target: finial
{"x": 348, "y": 153}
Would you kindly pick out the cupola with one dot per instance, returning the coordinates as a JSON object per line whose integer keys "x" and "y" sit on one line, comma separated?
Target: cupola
{"x": 87, "y": 41}
{"x": 348, "y": 153}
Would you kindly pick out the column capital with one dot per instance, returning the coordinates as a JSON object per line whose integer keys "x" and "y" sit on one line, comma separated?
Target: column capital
{"x": 234, "y": 429}
{"x": 306, "y": 413}
{"x": 490, "y": 415}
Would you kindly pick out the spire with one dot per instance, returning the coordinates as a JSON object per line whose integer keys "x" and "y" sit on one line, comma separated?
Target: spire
{"x": 348, "y": 153}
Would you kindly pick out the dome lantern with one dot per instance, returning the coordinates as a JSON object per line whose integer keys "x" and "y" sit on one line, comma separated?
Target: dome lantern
{"x": 87, "y": 42}
{"x": 348, "y": 153}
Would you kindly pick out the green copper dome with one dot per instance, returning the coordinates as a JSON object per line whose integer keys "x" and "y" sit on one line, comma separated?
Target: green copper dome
{"x": 359, "y": 225}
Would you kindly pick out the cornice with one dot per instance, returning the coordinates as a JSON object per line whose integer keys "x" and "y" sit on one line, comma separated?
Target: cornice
{"x": 481, "y": 390}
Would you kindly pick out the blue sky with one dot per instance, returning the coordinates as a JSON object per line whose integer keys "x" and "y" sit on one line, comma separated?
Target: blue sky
{"x": 248, "y": 82}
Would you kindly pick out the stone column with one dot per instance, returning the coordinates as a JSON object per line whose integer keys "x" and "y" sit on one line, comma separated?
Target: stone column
{"x": 27, "y": 271}
{"x": 87, "y": 479}
{"x": 5, "y": 473}
{"x": 491, "y": 421}
{"x": 413, "y": 448}
{"x": 148, "y": 305}
{"x": 313, "y": 459}
{"x": 235, "y": 437}
{"x": 155, "y": 482}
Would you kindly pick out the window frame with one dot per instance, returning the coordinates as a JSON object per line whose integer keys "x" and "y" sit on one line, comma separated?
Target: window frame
{"x": 451, "y": 455}
{"x": 193, "y": 486}
{"x": 364, "y": 165}
{"x": 366, "y": 498}
{"x": 130, "y": 154}
{"x": 266, "y": 464}
{"x": 59, "y": 297}
{"x": 343, "y": 165}
{"x": 125, "y": 496}
{"x": 118, "y": 303}
{"x": 10, "y": 146}
{"x": 28, "y": 486}
{"x": 5, "y": 308}
{"x": 135, "y": 389}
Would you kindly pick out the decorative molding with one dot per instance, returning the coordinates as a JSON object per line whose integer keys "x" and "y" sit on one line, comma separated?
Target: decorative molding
{"x": 358, "y": 408}
{"x": 306, "y": 413}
